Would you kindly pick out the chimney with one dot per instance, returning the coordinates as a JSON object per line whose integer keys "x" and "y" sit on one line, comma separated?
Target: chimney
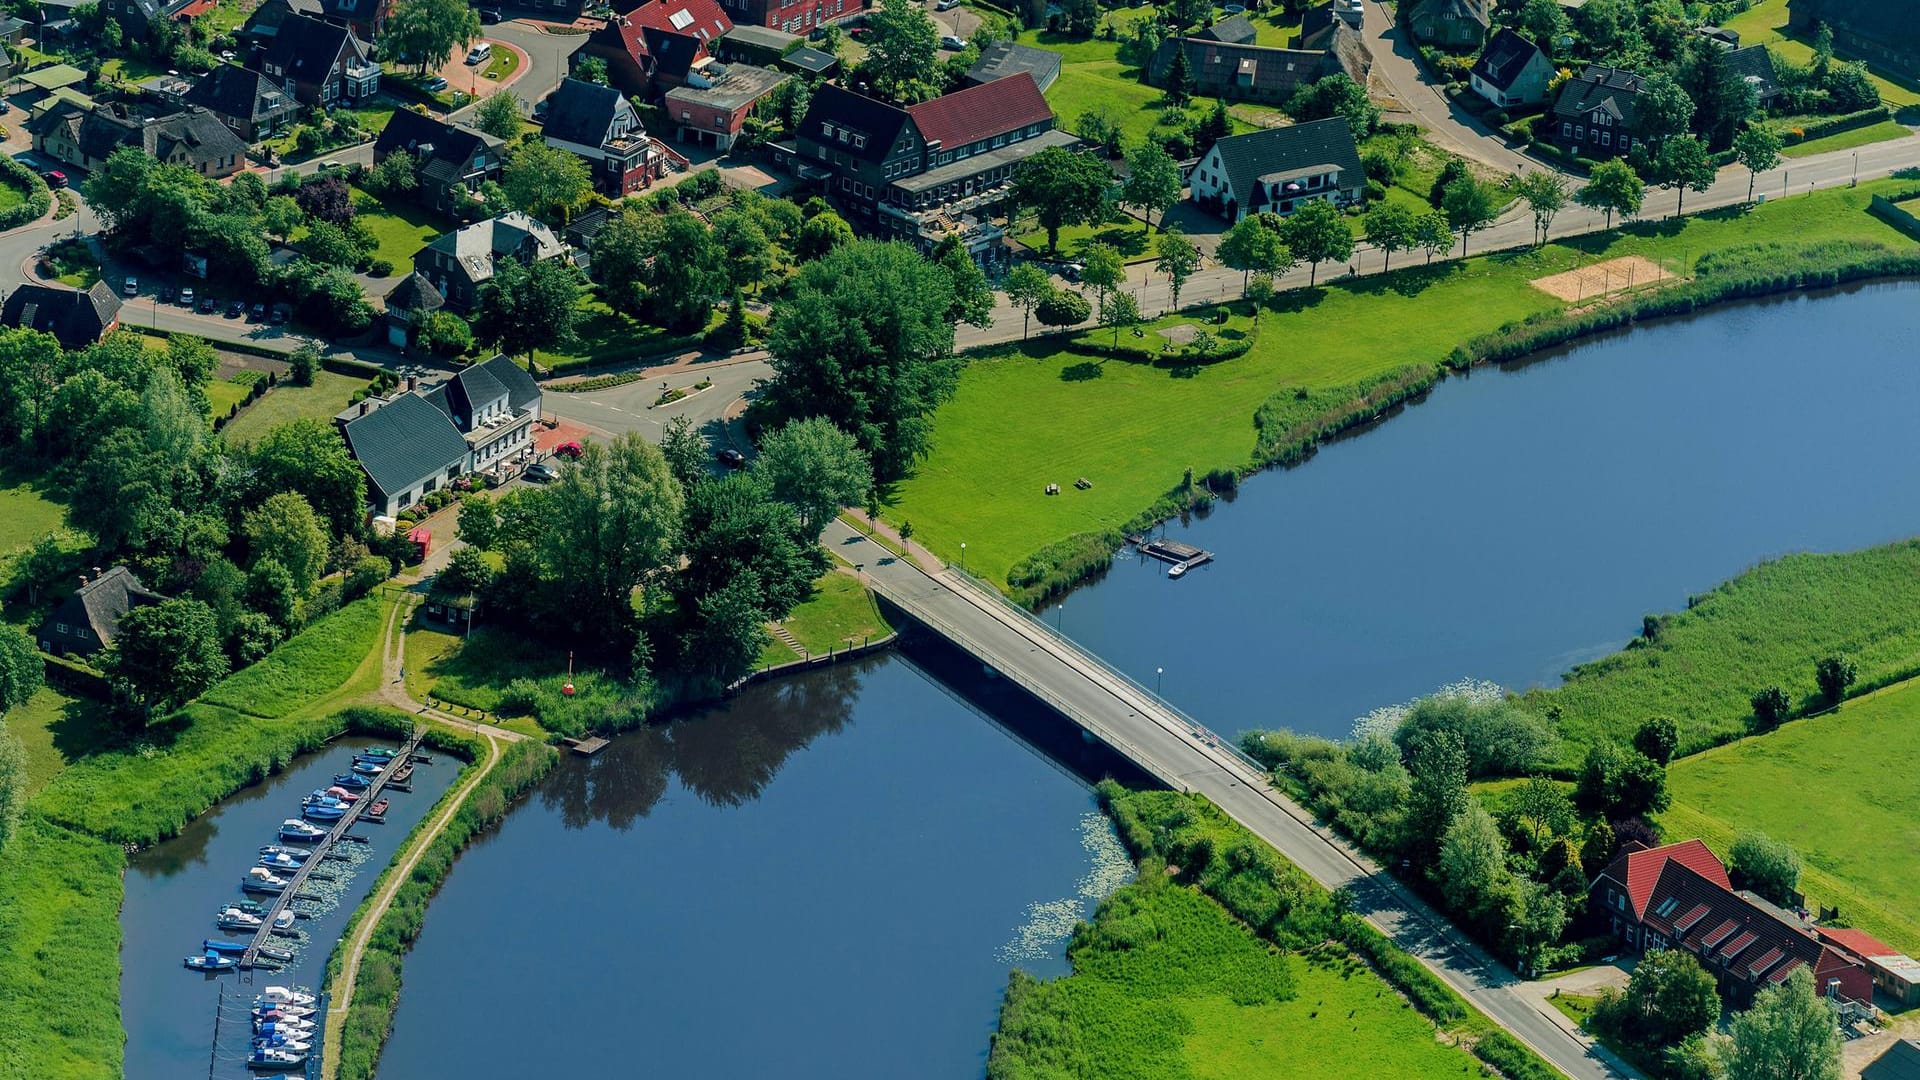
{"x": 364, "y": 407}
{"x": 413, "y": 383}
{"x": 83, "y": 581}
{"x": 96, "y": 572}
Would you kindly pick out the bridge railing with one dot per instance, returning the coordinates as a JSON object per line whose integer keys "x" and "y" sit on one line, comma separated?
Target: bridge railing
{"x": 987, "y": 593}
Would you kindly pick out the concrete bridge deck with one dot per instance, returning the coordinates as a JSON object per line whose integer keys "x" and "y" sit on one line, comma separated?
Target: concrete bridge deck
{"x": 1185, "y": 755}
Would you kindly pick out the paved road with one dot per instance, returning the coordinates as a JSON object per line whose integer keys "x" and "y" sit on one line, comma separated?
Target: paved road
{"x": 548, "y": 60}
{"x": 1136, "y": 723}
{"x": 630, "y": 407}
{"x": 1396, "y": 65}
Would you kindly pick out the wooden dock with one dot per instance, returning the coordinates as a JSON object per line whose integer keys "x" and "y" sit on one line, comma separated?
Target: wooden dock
{"x": 324, "y": 848}
{"x": 588, "y": 746}
{"x": 1182, "y": 556}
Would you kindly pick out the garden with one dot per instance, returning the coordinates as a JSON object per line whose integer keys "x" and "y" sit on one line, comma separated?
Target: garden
{"x": 330, "y": 393}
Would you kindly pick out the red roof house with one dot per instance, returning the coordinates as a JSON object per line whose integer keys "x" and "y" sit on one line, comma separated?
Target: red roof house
{"x": 981, "y": 112}
{"x": 1631, "y": 876}
{"x": 658, "y": 45}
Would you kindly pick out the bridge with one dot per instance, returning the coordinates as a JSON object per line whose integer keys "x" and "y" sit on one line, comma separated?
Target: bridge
{"x": 1185, "y": 755}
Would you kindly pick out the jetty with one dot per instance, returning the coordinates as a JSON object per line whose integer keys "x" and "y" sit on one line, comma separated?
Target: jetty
{"x": 1182, "y": 556}
{"x": 588, "y": 746}
{"x": 324, "y": 849}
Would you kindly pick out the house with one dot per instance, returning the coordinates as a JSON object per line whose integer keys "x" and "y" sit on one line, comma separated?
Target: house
{"x": 811, "y": 62}
{"x": 136, "y": 17}
{"x": 1900, "y": 1062}
{"x": 366, "y": 18}
{"x": 12, "y": 30}
{"x": 1233, "y": 30}
{"x": 794, "y": 16}
{"x": 1452, "y": 24}
{"x": 451, "y": 161}
{"x": 652, "y": 48}
{"x": 1894, "y": 973}
{"x": 264, "y": 23}
{"x": 761, "y": 45}
{"x": 1754, "y": 65}
{"x": 935, "y": 169}
{"x": 85, "y": 138}
{"x": 1316, "y": 23}
{"x": 408, "y": 306}
{"x": 714, "y": 105}
{"x": 586, "y": 226}
{"x": 1679, "y": 897}
{"x": 458, "y": 263}
{"x": 57, "y": 19}
{"x": 1881, "y": 32}
{"x": 1594, "y": 115}
{"x": 320, "y": 63}
{"x": 89, "y": 620}
{"x": 1259, "y": 72}
{"x": 421, "y": 440}
{"x": 1511, "y": 71}
{"x": 252, "y": 106}
{"x": 1279, "y": 169}
{"x": 600, "y": 125}
{"x": 1004, "y": 58}
{"x": 76, "y": 317}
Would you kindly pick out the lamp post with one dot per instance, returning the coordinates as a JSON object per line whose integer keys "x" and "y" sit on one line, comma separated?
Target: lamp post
{"x": 1060, "y": 616}
{"x": 1157, "y": 674}
{"x": 963, "y": 556}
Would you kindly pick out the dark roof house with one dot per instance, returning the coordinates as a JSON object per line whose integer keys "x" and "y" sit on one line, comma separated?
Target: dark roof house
{"x": 1234, "y": 30}
{"x": 1881, "y": 32}
{"x": 1453, "y": 23}
{"x": 1262, "y": 73}
{"x": 1900, "y": 1062}
{"x": 1597, "y": 113}
{"x": 1754, "y": 65}
{"x": 655, "y": 45}
{"x": 248, "y": 102}
{"x": 1004, "y": 58}
{"x": 403, "y": 445}
{"x": 451, "y": 161}
{"x": 1511, "y": 70}
{"x": 77, "y": 318}
{"x": 409, "y": 303}
{"x": 1277, "y": 168}
{"x": 85, "y": 138}
{"x": 422, "y": 439}
{"x": 318, "y": 62}
{"x": 458, "y": 263}
{"x": 88, "y": 621}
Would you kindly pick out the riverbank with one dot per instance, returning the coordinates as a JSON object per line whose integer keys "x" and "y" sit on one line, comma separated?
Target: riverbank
{"x": 1149, "y": 436}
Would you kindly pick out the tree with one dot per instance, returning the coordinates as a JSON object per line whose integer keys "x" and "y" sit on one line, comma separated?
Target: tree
{"x": 1315, "y": 233}
{"x": 1662, "y": 110}
{"x": 526, "y": 308}
{"x": 1613, "y": 187}
{"x": 302, "y": 362}
{"x": 1102, "y": 270}
{"x": 591, "y": 69}
{"x": 822, "y": 233}
{"x": 1451, "y": 170}
{"x": 1722, "y": 98}
{"x": 1834, "y": 675}
{"x": 729, "y": 630}
{"x": 1388, "y": 227}
{"x": 1062, "y": 188}
{"x": 862, "y": 339}
{"x": 1767, "y": 866}
{"x": 165, "y": 654}
{"x": 1469, "y": 207}
{"x": 21, "y": 668}
{"x": 607, "y": 527}
{"x": 1260, "y": 291}
{"x": 325, "y": 198}
{"x": 1153, "y": 180}
{"x": 545, "y": 181}
{"x": 1770, "y": 708}
{"x": 620, "y": 255}
{"x": 1253, "y": 246}
{"x": 902, "y": 44}
{"x": 1062, "y": 308}
{"x": 685, "y": 450}
{"x": 972, "y": 296}
{"x": 1758, "y": 148}
{"x": 1179, "y": 79}
{"x": 1432, "y": 234}
{"x": 736, "y": 529}
{"x": 1179, "y": 258}
{"x": 1658, "y": 738}
{"x": 428, "y": 31}
{"x": 1118, "y": 309}
{"x": 1684, "y": 163}
{"x": 29, "y": 362}
{"x": 815, "y": 467}
{"x": 1543, "y": 811}
{"x": 1336, "y": 95}
{"x": 743, "y": 247}
{"x": 1545, "y": 194}
{"x": 1186, "y": 14}
{"x": 498, "y": 115}
{"x": 115, "y": 192}
{"x": 1471, "y": 869}
{"x": 308, "y": 457}
{"x": 1437, "y": 762}
{"x": 1026, "y": 285}
{"x": 1789, "y": 1034}
{"x": 286, "y": 530}
{"x": 1503, "y": 738}
{"x": 683, "y": 272}
{"x": 1669, "y": 998}
{"x": 1616, "y": 782}
{"x": 1545, "y": 22}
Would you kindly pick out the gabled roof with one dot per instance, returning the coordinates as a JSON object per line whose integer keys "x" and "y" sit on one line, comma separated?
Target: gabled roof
{"x": 1004, "y": 58}
{"x": 1640, "y": 870}
{"x": 1235, "y": 30}
{"x": 233, "y": 91}
{"x": 77, "y": 318}
{"x": 832, "y": 110}
{"x": 475, "y": 247}
{"x": 1504, "y": 58}
{"x": 582, "y": 112}
{"x": 981, "y": 112}
{"x": 1858, "y": 942}
{"x": 1471, "y": 11}
{"x": 1755, "y": 65}
{"x": 1900, "y": 1062}
{"x": 305, "y": 47}
{"x": 195, "y": 132}
{"x": 645, "y": 29}
{"x": 472, "y": 387}
{"x": 403, "y": 442}
{"x": 1247, "y": 158}
{"x": 431, "y": 140}
{"x": 1269, "y": 71}
{"x": 415, "y": 292}
{"x": 1609, "y": 90}
{"x": 102, "y": 601}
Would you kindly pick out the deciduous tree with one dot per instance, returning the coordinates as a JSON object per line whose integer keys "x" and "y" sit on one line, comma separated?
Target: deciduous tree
{"x": 165, "y": 654}
{"x": 815, "y": 467}
{"x": 1790, "y": 1033}
{"x": 1758, "y": 148}
{"x": 1685, "y": 164}
{"x": 1834, "y": 675}
{"x": 1658, "y": 738}
{"x": 1253, "y": 246}
{"x": 1615, "y": 188}
{"x": 1026, "y": 285}
{"x": 1545, "y": 194}
{"x": 1767, "y": 866}
{"x": 1062, "y": 188}
{"x": 284, "y": 528}
{"x": 685, "y": 450}
{"x": 1315, "y": 233}
{"x": 545, "y": 181}
{"x": 1469, "y": 207}
{"x": 527, "y": 308}
{"x": 1153, "y": 180}
{"x": 1388, "y": 227}
{"x": 21, "y": 668}
{"x": 498, "y": 115}
{"x": 1063, "y": 308}
{"x": 428, "y": 31}
{"x": 1179, "y": 258}
{"x": 902, "y": 45}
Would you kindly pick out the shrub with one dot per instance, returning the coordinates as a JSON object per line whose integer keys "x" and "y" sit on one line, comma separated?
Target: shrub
{"x": 38, "y": 201}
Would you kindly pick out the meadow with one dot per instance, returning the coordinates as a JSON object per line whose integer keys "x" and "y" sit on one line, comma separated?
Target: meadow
{"x": 1765, "y": 627}
{"x": 329, "y": 394}
{"x": 1840, "y": 789}
{"x": 27, "y": 509}
{"x": 1037, "y": 413}
{"x": 1765, "y": 23}
{"x": 841, "y": 612}
{"x": 60, "y": 954}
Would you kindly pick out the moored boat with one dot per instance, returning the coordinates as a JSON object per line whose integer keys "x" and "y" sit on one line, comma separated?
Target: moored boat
{"x": 295, "y": 831}
{"x": 352, "y": 782}
{"x": 210, "y": 961}
{"x": 279, "y": 862}
{"x": 338, "y": 792}
{"x": 369, "y": 768}
{"x": 286, "y": 994}
{"x": 296, "y": 854}
{"x": 377, "y": 753}
{"x": 228, "y": 948}
{"x": 268, "y": 1058}
{"x": 285, "y": 956}
{"x": 323, "y": 812}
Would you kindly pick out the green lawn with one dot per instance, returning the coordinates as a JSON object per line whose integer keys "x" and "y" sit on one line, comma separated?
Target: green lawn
{"x": 329, "y": 394}
{"x": 473, "y": 671}
{"x": 840, "y": 612}
{"x": 1575, "y": 1007}
{"x": 316, "y": 660}
{"x": 1040, "y": 415}
{"x": 401, "y": 227}
{"x": 1274, "y": 27}
{"x": 1841, "y": 789}
{"x": 224, "y": 394}
{"x": 60, "y": 954}
{"x": 608, "y": 336}
{"x": 57, "y": 730}
{"x": 226, "y": 17}
{"x": 1121, "y": 231}
{"x": 27, "y": 510}
{"x": 504, "y": 63}
{"x": 1765, "y": 23}
{"x": 1847, "y": 140}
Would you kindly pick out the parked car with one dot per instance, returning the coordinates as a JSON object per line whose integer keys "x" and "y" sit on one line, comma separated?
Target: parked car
{"x": 569, "y": 450}
{"x": 5, "y": 106}
{"x": 236, "y": 308}
{"x": 434, "y": 85}
{"x": 949, "y": 41}
{"x": 480, "y": 54}
{"x": 946, "y": 5}
{"x": 208, "y": 305}
{"x": 54, "y": 178}
{"x": 280, "y": 314}
{"x": 131, "y": 286}
{"x": 860, "y": 31}
{"x": 489, "y": 16}
{"x": 259, "y": 312}
{"x": 540, "y": 474}
{"x": 186, "y": 296}
{"x": 731, "y": 458}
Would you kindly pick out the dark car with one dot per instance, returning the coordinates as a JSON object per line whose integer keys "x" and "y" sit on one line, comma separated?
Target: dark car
{"x": 434, "y": 85}
{"x": 541, "y": 474}
{"x": 280, "y": 314}
{"x": 54, "y": 178}
{"x": 236, "y": 308}
{"x": 259, "y": 312}
{"x": 208, "y": 305}
{"x": 489, "y": 16}
{"x": 730, "y": 457}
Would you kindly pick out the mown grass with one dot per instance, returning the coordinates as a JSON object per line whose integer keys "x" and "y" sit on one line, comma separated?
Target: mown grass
{"x": 60, "y": 954}
{"x": 1766, "y": 627}
{"x": 400, "y": 227}
{"x": 315, "y": 661}
{"x": 56, "y": 731}
{"x": 1765, "y": 23}
{"x": 1841, "y": 789}
{"x": 1037, "y": 414}
{"x": 475, "y": 670}
{"x": 840, "y": 611}
{"x": 224, "y": 394}
{"x": 1848, "y": 140}
{"x": 27, "y": 509}
{"x": 286, "y": 402}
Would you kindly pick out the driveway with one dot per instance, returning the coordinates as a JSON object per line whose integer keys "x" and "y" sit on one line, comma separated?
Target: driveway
{"x": 544, "y": 61}
{"x": 630, "y": 407}
{"x": 1396, "y": 65}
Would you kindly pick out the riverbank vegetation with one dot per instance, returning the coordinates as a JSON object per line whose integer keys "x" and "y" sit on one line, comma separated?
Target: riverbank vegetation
{"x": 840, "y": 614}
{"x": 1051, "y": 410}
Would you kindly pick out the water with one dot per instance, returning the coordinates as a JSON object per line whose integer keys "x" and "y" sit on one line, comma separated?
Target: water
{"x": 1520, "y": 522}
{"x": 828, "y": 876}
{"x": 174, "y": 889}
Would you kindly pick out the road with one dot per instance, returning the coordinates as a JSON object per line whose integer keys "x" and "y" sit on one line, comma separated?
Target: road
{"x": 631, "y": 408}
{"x": 549, "y": 57}
{"x": 1168, "y": 745}
{"x": 1396, "y": 66}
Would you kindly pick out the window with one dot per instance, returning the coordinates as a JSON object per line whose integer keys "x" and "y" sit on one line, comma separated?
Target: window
{"x": 1580, "y": 132}
{"x": 62, "y": 627}
{"x": 843, "y": 135}
{"x": 859, "y": 142}
{"x": 1606, "y": 138}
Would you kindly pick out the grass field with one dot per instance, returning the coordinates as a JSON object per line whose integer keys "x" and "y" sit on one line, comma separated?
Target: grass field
{"x": 329, "y": 394}
{"x": 1121, "y": 231}
{"x": 27, "y": 509}
{"x": 840, "y": 612}
{"x": 1134, "y": 429}
{"x": 1575, "y": 1007}
{"x": 1841, "y": 789}
{"x": 1765, "y": 23}
{"x": 56, "y": 731}
{"x": 60, "y": 955}
{"x": 472, "y": 671}
{"x": 1765, "y": 627}
{"x": 1848, "y": 140}
{"x": 224, "y": 394}
{"x": 503, "y": 63}
{"x": 315, "y": 661}
{"x": 401, "y": 228}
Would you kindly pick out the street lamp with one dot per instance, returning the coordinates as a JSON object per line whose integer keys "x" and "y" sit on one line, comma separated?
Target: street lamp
{"x": 1060, "y": 615}
{"x": 963, "y": 555}
{"x": 1157, "y": 673}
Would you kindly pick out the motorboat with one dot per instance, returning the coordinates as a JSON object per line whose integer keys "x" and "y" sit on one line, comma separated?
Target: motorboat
{"x": 286, "y": 995}
{"x": 210, "y": 961}
{"x": 227, "y": 948}
{"x": 378, "y": 809}
{"x": 353, "y": 783}
{"x": 369, "y": 768}
{"x": 295, "y": 831}
{"x": 233, "y": 919}
{"x": 250, "y": 907}
{"x": 324, "y": 812}
{"x": 1177, "y": 570}
{"x": 285, "y": 956}
{"x": 281, "y": 1042}
{"x": 296, "y": 854}
{"x": 295, "y": 1017}
{"x": 279, "y": 862}
{"x": 267, "y": 1057}
{"x": 342, "y": 794}
{"x": 276, "y": 1024}
{"x": 261, "y": 880}
{"x": 377, "y": 753}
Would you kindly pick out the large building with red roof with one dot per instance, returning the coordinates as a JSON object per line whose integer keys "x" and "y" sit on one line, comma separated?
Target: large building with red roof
{"x": 926, "y": 171}
{"x": 654, "y": 46}
{"x": 793, "y": 16}
{"x": 1896, "y": 974}
{"x": 1679, "y": 897}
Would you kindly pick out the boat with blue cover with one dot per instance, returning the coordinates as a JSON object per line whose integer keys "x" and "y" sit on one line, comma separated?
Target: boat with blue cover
{"x": 352, "y": 782}
{"x": 210, "y": 961}
{"x": 298, "y": 855}
{"x": 369, "y": 768}
{"x": 324, "y": 812}
{"x": 225, "y": 948}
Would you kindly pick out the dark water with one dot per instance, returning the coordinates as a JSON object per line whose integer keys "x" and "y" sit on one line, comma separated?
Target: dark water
{"x": 173, "y": 891}
{"x": 829, "y": 876}
{"x": 1520, "y": 522}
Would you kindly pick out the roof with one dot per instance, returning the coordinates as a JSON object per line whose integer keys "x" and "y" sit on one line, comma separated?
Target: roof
{"x": 433, "y": 141}
{"x": 1004, "y": 58}
{"x": 415, "y": 292}
{"x": 1640, "y": 870}
{"x": 1009, "y": 155}
{"x": 810, "y": 60}
{"x": 1755, "y": 65}
{"x": 1609, "y": 90}
{"x": 1235, "y": 29}
{"x": 1890, "y": 22}
{"x": 1272, "y": 71}
{"x": 194, "y": 132}
{"x": 679, "y": 29}
{"x": 475, "y": 247}
{"x": 106, "y": 598}
{"x": 305, "y": 47}
{"x": 1504, "y": 58}
{"x": 54, "y": 76}
{"x": 582, "y": 112}
{"x": 483, "y": 382}
{"x": 403, "y": 442}
{"x": 1472, "y": 11}
{"x": 1691, "y": 904}
{"x": 1858, "y": 942}
{"x": 1275, "y": 151}
{"x": 833, "y": 109}
{"x": 981, "y": 112}
{"x": 763, "y": 37}
{"x": 735, "y": 86}
{"x": 234, "y": 91}
{"x": 1900, "y": 1062}
{"x": 77, "y": 318}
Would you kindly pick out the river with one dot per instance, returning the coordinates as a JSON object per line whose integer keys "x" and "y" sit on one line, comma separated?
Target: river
{"x": 174, "y": 889}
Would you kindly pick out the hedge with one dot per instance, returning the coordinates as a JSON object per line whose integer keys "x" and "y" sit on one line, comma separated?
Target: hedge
{"x": 39, "y": 199}
{"x": 1833, "y": 125}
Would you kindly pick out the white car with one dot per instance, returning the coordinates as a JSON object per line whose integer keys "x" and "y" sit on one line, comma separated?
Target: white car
{"x": 479, "y": 54}
{"x": 949, "y": 41}
{"x": 131, "y": 286}
{"x": 946, "y": 5}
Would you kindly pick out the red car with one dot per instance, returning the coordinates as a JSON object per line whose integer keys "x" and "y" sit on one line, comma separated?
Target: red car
{"x": 54, "y": 178}
{"x": 568, "y": 450}
{"x": 859, "y": 31}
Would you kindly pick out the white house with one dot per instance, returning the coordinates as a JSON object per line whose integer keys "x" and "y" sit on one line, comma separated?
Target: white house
{"x": 420, "y": 440}
{"x": 1279, "y": 169}
{"x": 1512, "y": 71}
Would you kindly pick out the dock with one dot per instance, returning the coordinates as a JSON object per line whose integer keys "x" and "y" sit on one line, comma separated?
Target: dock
{"x": 588, "y": 746}
{"x": 1182, "y": 556}
{"x": 324, "y": 848}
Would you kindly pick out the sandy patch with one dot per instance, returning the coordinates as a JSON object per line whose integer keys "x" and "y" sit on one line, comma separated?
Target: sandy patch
{"x": 1181, "y": 334}
{"x": 1602, "y": 279}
